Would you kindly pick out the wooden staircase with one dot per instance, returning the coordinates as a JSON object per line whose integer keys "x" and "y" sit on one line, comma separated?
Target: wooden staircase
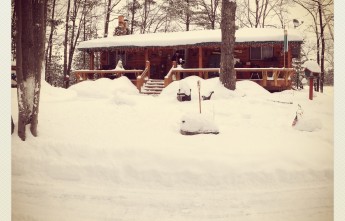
{"x": 152, "y": 87}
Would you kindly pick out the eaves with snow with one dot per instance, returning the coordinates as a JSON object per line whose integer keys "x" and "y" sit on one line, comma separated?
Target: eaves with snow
{"x": 189, "y": 38}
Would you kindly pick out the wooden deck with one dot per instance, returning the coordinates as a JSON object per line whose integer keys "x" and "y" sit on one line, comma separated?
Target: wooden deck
{"x": 273, "y": 79}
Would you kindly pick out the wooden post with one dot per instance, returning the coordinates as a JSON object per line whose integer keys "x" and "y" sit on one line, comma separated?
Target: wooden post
{"x": 200, "y": 60}
{"x": 264, "y": 78}
{"x": 275, "y": 77}
{"x": 146, "y": 54}
{"x": 286, "y": 77}
{"x": 311, "y": 85}
{"x": 148, "y": 66}
{"x": 289, "y": 57}
{"x": 92, "y": 60}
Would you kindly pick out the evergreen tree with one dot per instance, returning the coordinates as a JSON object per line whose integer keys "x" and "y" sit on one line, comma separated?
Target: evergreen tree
{"x": 299, "y": 73}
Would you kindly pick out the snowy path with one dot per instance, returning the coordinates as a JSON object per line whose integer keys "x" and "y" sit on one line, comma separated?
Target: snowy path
{"x": 60, "y": 201}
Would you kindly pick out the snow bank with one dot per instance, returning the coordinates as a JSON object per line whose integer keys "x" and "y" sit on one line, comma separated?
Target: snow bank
{"x": 53, "y": 94}
{"x": 105, "y": 87}
{"x": 122, "y": 156}
{"x": 251, "y": 89}
{"x": 309, "y": 125}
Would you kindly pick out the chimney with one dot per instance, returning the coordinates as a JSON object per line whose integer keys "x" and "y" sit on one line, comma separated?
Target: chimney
{"x": 121, "y": 20}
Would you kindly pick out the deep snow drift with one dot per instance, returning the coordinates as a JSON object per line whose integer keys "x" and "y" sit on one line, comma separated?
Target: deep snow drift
{"x": 106, "y": 152}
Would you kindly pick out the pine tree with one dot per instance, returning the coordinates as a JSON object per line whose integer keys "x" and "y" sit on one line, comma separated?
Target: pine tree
{"x": 296, "y": 79}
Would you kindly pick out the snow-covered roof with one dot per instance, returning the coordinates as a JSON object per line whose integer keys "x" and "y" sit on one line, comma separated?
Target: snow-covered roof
{"x": 312, "y": 66}
{"x": 190, "y": 38}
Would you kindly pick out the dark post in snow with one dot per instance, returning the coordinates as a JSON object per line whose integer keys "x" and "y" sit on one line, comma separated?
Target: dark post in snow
{"x": 227, "y": 72}
{"x": 311, "y": 84}
{"x": 199, "y": 97}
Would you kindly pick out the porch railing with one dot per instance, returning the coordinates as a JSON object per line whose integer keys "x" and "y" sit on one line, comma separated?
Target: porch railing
{"x": 141, "y": 79}
{"x": 266, "y": 77}
{"x": 82, "y": 75}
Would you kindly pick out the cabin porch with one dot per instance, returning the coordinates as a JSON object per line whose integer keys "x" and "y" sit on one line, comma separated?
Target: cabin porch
{"x": 266, "y": 64}
{"x": 272, "y": 79}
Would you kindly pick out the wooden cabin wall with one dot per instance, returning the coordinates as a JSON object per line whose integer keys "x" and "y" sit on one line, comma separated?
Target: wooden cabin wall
{"x": 160, "y": 58}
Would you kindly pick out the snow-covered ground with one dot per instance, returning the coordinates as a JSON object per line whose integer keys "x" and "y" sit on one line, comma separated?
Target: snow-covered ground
{"x": 106, "y": 152}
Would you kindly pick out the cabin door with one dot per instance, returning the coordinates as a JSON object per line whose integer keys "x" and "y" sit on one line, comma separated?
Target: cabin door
{"x": 214, "y": 62}
{"x": 161, "y": 66}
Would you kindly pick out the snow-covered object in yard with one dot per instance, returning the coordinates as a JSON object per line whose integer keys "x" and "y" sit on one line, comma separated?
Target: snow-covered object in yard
{"x": 190, "y": 38}
{"x": 309, "y": 125}
{"x": 312, "y": 66}
{"x": 195, "y": 123}
{"x": 184, "y": 92}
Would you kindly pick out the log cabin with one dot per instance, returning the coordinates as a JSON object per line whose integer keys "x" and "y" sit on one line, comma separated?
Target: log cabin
{"x": 259, "y": 56}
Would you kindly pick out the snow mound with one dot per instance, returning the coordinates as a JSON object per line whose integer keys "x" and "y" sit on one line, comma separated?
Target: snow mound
{"x": 94, "y": 89}
{"x": 198, "y": 123}
{"x": 53, "y": 94}
{"x": 252, "y": 89}
{"x": 121, "y": 98}
{"x": 309, "y": 125}
{"x": 285, "y": 97}
{"x": 105, "y": 87}
{"x": 124, "y": 85}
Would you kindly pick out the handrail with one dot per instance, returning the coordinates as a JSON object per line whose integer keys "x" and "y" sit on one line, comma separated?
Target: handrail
{"x": 82, "y": 74}
{"x": 168, "y": 78}
{"x": 288, "y": 72}
{"x": 141, "y": 78}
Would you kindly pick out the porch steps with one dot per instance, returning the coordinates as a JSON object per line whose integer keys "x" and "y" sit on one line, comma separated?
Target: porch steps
{"x": 153, "y": 87}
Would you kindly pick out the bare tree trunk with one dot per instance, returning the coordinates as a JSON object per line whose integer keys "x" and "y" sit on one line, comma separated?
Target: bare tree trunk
{"x": 133, "y": 16}
{"x": 31, "y": 26}
{"x": 227, "y": 71}
{"x": 107, "y": 17}
{"x": 65, "y": 41}
{"x": 187, "y": 16}
{"x": 322, "y": 36}
{"x": 75, "y": 34}
{"x": 50, "y": 43}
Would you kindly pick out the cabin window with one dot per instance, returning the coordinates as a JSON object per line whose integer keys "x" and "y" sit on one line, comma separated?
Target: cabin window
{"x": 261, "y": 53}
